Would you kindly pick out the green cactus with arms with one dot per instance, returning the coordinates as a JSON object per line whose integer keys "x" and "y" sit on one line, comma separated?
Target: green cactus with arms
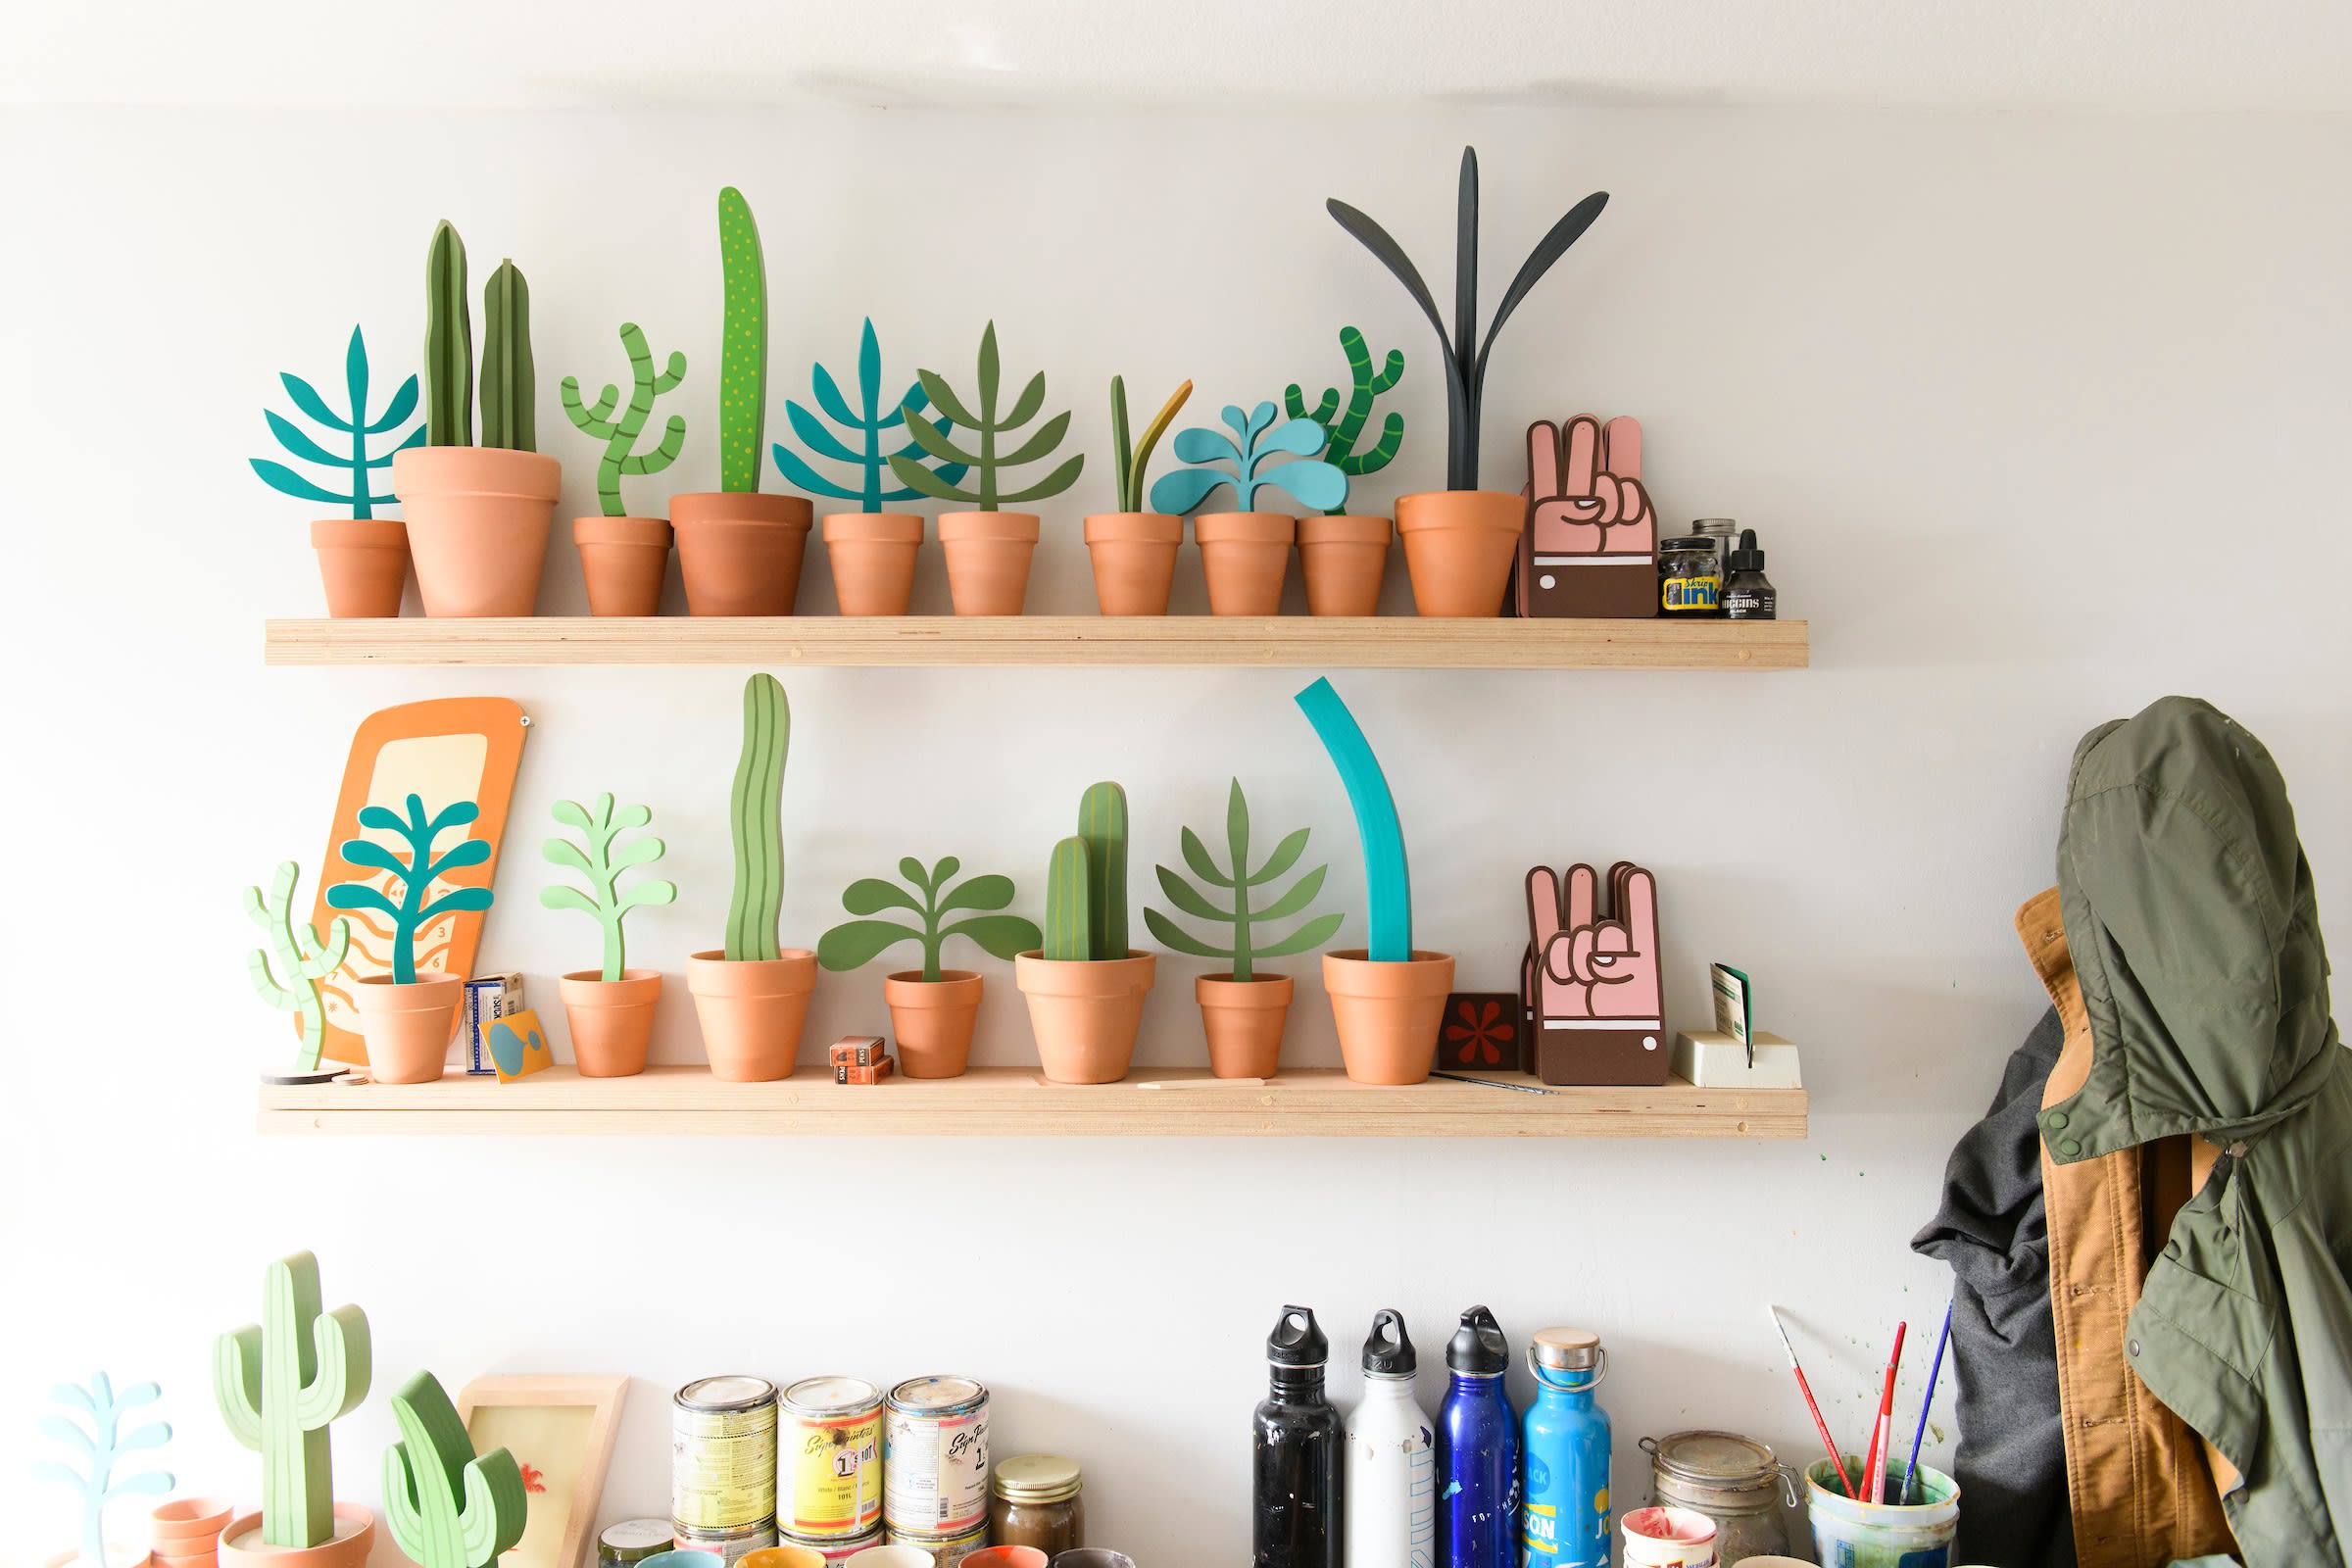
{"x": 304, "y": 959}
{"x": 620, "y": 434}
{"x": 602, "y": 864}
{"x": 743, "y": 346}
{"x": 1346, "y": 427}
{"x": 988, "y": 426}
{"x": 447, "y": 1509}
{"x": 1239, "y": 881}
{"x": 1070, "y": 921}
{"x": 279, "y": 1384}
{"x": 756, "y": 908}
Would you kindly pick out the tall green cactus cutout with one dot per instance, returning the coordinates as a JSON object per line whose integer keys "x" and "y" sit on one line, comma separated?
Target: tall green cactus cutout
{"x": 510, "y": 380}
{"x": 743, "y": 346}
{"x": 987, "y": 425}
{"x": 304, "y": 959}
{"x": 1347, "y": 427}
{"x": 415, "y": 875}
{"x": 447, "y": 1509}
{"x": 448, "y": 343}
{"x": 1239, "y": 881}
{"x": 1102, "y": 823}
{"x": 1069, "y": 922}
{"x": 602, "y": 864}
{"x": 871, "y": 461}
{"x": 278, "y": 1384}
{"x": 754, "y": 910}
{"x": 619, "y": 435}
{"x": 102, "y": 1444}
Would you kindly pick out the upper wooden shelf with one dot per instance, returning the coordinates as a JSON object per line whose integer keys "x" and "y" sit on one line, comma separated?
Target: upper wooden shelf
{"x": 1303, "y": 642}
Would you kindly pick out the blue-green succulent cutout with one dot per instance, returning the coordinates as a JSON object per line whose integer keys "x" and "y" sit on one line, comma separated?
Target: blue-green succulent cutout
{"x": 508, "y": 1048}
{"x": 102, "y": 1442}
{"x": 873, "y": 461}
{"x": 1311, "y": 482}
{"x": 355, "y": 424}
{"x": 415, "y": 875}
{"x": 1388, "y": 885}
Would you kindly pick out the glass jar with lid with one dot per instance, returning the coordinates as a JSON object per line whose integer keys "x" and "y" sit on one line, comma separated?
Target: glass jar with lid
{"x": 1734, "y": 1480}
{"x": 1035, "y": 1500}
{"x": 1690, "y": 576}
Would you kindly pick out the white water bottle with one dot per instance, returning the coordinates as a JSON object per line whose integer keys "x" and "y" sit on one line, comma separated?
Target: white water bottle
{"x": 1390, "y": 1487}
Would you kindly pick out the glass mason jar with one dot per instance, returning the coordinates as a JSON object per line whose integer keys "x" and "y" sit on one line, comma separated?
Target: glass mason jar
{"x": 1734, "y": 1480}
{"x": 1035, "y": 1500}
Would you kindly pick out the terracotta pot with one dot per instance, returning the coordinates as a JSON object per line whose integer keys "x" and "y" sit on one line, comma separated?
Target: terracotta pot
{"x": 1458, "y": 549}
{"x": 1344, "y": 559}
{"x": 187, "y": 1526}
{"x": 1246, "y": 556}
{"x": 751, "y": 1011}
{"x": 933, "y": 1020}
{"x": 739, "y": 551}
{"x": 611, "y": 1020}
{"x": 874, "y": 555}
{"x": 242, "y": 1546}
{"x": 988, "y": 560}
{"x": 1085, "y": 1014}
{"x": 1387, "y": 1013}
{"x": 363, "y": 562}
{"x": 623, "y": 559}
{"x": 1135, "y": 561}
{"x": 407, "y": 1029}
{"x": 1244, "y": 1020}
{"x": 477, "y": 520}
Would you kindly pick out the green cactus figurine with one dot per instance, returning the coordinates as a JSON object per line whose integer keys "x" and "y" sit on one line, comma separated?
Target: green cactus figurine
{"x": 743, "y": 346}
{"x": 620, "y": 435}
{"x": 279, "y": 1384}
{"x": 1102, "y": 824}
{"x": 602, "y": 864}
{"x": 987, "y": 425}
{"x": 1069, "y": 925}
{"x": 509, "y": 384}
{"x": 1346, "y": 427}
{"x": 431, "y": 1469}
{"x": 1239, "y": 881}
{"x": 448, "y": 343}
{"x": 754, "y": 910}
{"x": 305, "y": 960}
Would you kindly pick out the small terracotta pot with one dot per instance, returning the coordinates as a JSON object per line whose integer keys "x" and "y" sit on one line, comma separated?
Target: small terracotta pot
{"x": 1085, "y": 1014}
{"x": 740, "y": 551}
{"x": 242, "y": 1546}
{"x": 988, "y": 560}
{"x": 1135, "y": 560}
{"x": 873, "y": 556}
{"x": 477, "y": 520}
{"x": 611, "y": 1020}
{"x": 1458, "y": 549}
{"x": 933, "y": 1020}
{"x": 407, "y": 1029}
{"x": 752, "y": 1011}
{"x": 189, "y": 1526}
{"x": 363, "y": 562}
{"x": 1344, "y": 559}
{"x": 1244, "y": 1021}
{"x": 1246, "y": 556}
{"x": 623, "y": 559}
{"x": 1006, "y": 1557}
{"x": 1387, "y": 1013}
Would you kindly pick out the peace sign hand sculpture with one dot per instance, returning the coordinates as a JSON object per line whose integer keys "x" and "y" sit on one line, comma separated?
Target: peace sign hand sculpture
{"x": 1586, "y": 483}
{"x": 1587, "y": 966}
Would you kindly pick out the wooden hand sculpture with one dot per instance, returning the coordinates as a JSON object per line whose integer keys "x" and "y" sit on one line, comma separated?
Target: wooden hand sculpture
{"x": 1586, "y": 484}
{"x": 1585, "y": 966}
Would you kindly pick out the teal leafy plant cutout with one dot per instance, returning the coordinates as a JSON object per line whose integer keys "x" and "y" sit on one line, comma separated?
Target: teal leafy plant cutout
{"x": 355, "y": 463}
{"x": 1345, "y": 423}
{"x": 413, "y": 877}
{"x": 302, "y": 960}
{"x": 619, "y": 427}
{"x": 868, "y": 427}
{"x": 1236, "y": 880}
{"x": 601, "y": 859}
{"x": 986, "y": 426}
{"x": 1255, "y": 438}
{"x": 856, "y": 943}
{"x": 97, "y": 1436}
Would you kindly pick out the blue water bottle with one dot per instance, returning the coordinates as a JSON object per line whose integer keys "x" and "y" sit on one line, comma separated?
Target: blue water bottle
{"x": 1566, "y": 1517}
{"x": 1478, "y": 1452}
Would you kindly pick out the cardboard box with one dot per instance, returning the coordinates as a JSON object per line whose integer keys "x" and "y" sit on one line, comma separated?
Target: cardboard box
{"x": 872, "y": 1073}
{"x": 858, "y": 1051}
{"x": 488, "y": 999}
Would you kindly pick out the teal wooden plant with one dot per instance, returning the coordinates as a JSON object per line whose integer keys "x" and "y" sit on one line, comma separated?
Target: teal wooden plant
{"x": 509, "y": 378}
{"x": 278, "y": 1384}
{"x": 1238, "y": 881}
{"x": 743, "y": 346}
{"x": 357, "y": 463}
{"x": 301, "y": 959}
{"x": 98, "y": 1437}
{"x": 619, "y": 427}
{"x": 1388, "y": 885}
{"x": 414, "y": 876}
{"x": 856, "y": 943}
{"x": 1346, "y": 425}
{"x": 445, "y": 1507}
{"x": 868, "y": 427}
{"x": 600, "y": 863}
{"x": 756, "y": 908}
{"x": 1086, "y": 882}
{"x": 1314, "y": 482}
{"x": 987, "y": 425}
{"x": 1129, "y": 461}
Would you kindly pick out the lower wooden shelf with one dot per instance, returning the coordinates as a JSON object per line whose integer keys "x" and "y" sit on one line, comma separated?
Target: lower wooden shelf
{"x": 1013, "y": 1102}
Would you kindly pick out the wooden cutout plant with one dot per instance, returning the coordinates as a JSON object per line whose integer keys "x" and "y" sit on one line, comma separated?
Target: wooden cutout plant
{"x": 1246, "y": 552}
{"x": 611, "y": 1009}
{"x": 407, "y": 1018}
{"x": 1345, "y": 558}
{"x": 1133, "y": 551}
{"x": 743, "y": 347}
{"x": 1345, "y": 423}
{"x": 363, "y": 559}
{"x": 624, "y": 559}
{"x": 278, "y": 1384}
{"x": 447, "y": 1507}
{"x": 98, "y": 1438}
{"x": 932, "y": 1011}
{"x": 300, "y": 957}
{"x": 1084, "y": 985}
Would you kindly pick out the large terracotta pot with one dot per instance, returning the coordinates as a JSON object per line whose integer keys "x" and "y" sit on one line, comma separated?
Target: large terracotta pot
{"x": 1387, "y": 1014}
{"x": 623, "y": 560}
{"x": 363, "y": 562}
{"x": 477, "y": 520}
{"x": 751, "y": 1011}
{"x": 1244, "y": 1020}
{"x": 611, "y": 1020}
{"x": 242, "y": 1546}
{"x": 1344, "y": 559}
{"x": 1458, "y": 549}
{"x": 1134, "y": 556}
{"x": 1085, "y": 1014}
{"x": 1246, "y": 556}
{"x": 988, "y": 560}
{"x": 933, "y": 1020}
{"x": 740, "y": 550}
{"x": 873, "y": 556}
{"x": 407, "y": 1028}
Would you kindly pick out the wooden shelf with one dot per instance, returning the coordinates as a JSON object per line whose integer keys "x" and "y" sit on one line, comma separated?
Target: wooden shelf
{"x": 1013, "y": 1102}
{"x": 1302, "y": 641}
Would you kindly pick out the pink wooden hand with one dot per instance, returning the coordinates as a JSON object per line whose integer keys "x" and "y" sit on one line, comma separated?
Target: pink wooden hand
{"x": 1587, "y": 968}
{"x": 1585, "y": 483}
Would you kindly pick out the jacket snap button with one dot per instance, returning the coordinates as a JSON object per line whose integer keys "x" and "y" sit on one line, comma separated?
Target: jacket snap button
{"x": 2070, "y": 1146}
{"x": 2133, "y": 1347}
{"x": 2057, "y": 1120}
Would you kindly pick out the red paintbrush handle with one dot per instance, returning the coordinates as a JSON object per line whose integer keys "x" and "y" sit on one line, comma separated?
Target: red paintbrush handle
{"x": 1822, "y": 1427}
{"x": 1874, "y": 1476}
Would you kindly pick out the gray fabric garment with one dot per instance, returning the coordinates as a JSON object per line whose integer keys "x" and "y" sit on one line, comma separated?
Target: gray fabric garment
{"x": 2011, "y": 1463}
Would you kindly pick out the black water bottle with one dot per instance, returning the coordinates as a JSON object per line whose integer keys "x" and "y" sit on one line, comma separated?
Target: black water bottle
{"x": 1297, "y": 1448}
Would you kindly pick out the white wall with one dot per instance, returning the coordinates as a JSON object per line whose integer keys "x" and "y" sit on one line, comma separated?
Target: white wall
{"x": 2041, "y": 418}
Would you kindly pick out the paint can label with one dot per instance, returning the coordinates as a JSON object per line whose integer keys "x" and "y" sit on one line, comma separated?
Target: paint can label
{"x": 936, "y": 1477}
{"x": 946, "y": 1551}
{"x": 723, "y": 1466}
{"x": 837, "y": 1472}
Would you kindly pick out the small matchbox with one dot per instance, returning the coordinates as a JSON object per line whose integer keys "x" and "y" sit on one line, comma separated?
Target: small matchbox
{"x": 874, "y": 1073}
{"x": 858, "y": 1051}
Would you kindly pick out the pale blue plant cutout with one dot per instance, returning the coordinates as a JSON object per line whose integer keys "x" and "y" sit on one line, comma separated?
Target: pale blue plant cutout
{"x": 1311, "y": 482}
{"x": 101, "y": 1443}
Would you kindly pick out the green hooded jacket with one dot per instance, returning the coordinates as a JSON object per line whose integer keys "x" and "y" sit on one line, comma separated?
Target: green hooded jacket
{"x": 2190, "y": 912}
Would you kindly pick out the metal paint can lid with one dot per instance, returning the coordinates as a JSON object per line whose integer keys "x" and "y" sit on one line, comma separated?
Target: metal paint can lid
{"x": 732, "y": 1391}
{"x": 1037, "y": 1478}
{"x": 1714, "y": 1459}
{"x": 634, "y": 1540}
{"x": 938, "y": 1395}
{"x": 831, "y": 1396}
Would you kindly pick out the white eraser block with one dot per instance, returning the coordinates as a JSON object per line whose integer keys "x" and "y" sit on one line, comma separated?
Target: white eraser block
{"x": 1714, "y": 1060}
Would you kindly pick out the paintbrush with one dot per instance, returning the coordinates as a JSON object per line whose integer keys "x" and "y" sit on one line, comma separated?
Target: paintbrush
{"x": 1927, "y": 1401}
{"x": 1491, "y": 1083}
{"x": 1874, "y": 1468}
{"x": 1803, "y": 1386}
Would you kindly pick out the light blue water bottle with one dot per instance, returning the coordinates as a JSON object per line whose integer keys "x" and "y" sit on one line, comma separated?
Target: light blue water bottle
{"x": 1565, "y": 1515}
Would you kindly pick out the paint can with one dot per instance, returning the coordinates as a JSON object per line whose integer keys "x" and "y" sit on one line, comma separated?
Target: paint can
{"x": 947, "y": 1548}
{"x": 632, "y": 1541}
{"x": 1846, "y": 1529}
{"x": 722, "y": 1454}
{"x": 935, "y": 1458}
{"x": 836, "y": 1550}
{"x": 832, "y": 1442}
{"x": 729, "y": 1546}
{"x": 1669, "y": 1537}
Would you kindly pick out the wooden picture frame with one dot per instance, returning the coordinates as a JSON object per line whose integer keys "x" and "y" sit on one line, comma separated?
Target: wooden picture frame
{"x": 560, "y": 1431}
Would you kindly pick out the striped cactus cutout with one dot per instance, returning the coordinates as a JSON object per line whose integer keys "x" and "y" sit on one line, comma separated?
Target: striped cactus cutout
{"x": 619, "y": 432}
{"x": 1069, "y": 921}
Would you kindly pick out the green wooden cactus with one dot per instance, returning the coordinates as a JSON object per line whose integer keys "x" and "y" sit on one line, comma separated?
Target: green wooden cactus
{"x": 756, "y": 908}
{"x": 620, "y": 433}
{"x": 510, "y": 380}
{"x": 600, "y": 863}
{"x": 1346, "y": 426}
{"x": 448, "y": 343}
{"x": 302, "y": 957}
{"x": 988, "y": 426}
{"x": 1102, "y": 823}
{"x": 743, "y": 346}
{"x": 1239, "y": 881}
{"x": 1069, "y": 924}
{"x": 278, "y": 1384}
{"x": 447, "y": 1509}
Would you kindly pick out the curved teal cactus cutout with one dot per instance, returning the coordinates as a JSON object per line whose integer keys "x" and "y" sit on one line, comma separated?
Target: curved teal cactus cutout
{"x": 756, "y": 908}
{"x": 872, "y": 461}
{"x": 415, "y": 876}
{"x": 856, "y": 943}
{"x": 602, "y": 864}
{"x": 620, "y": 433}
{"x": 445, "y": 1507}
{"x": 102, "y": 1442}
{"x": 743, "y": 346}
{"x": 354, "y": 423}
{"x": 1388, "y": 885}
{"x": 1314, "y": 482}
{"x": 304, "y": 959}
{"x": 1239, "y": 881}
{"x": 987, "y": 425}
{"x": 1347, "y": 427}
{"x": 279, "y": 1382}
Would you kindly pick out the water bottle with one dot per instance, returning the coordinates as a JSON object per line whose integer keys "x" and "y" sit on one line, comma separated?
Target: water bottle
{"x": 1294, "y": 1453}
{"x": 1391, "y": 1478}
{"x": 1566, "y": 1517}
{"x": 1478, "y": 1452}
